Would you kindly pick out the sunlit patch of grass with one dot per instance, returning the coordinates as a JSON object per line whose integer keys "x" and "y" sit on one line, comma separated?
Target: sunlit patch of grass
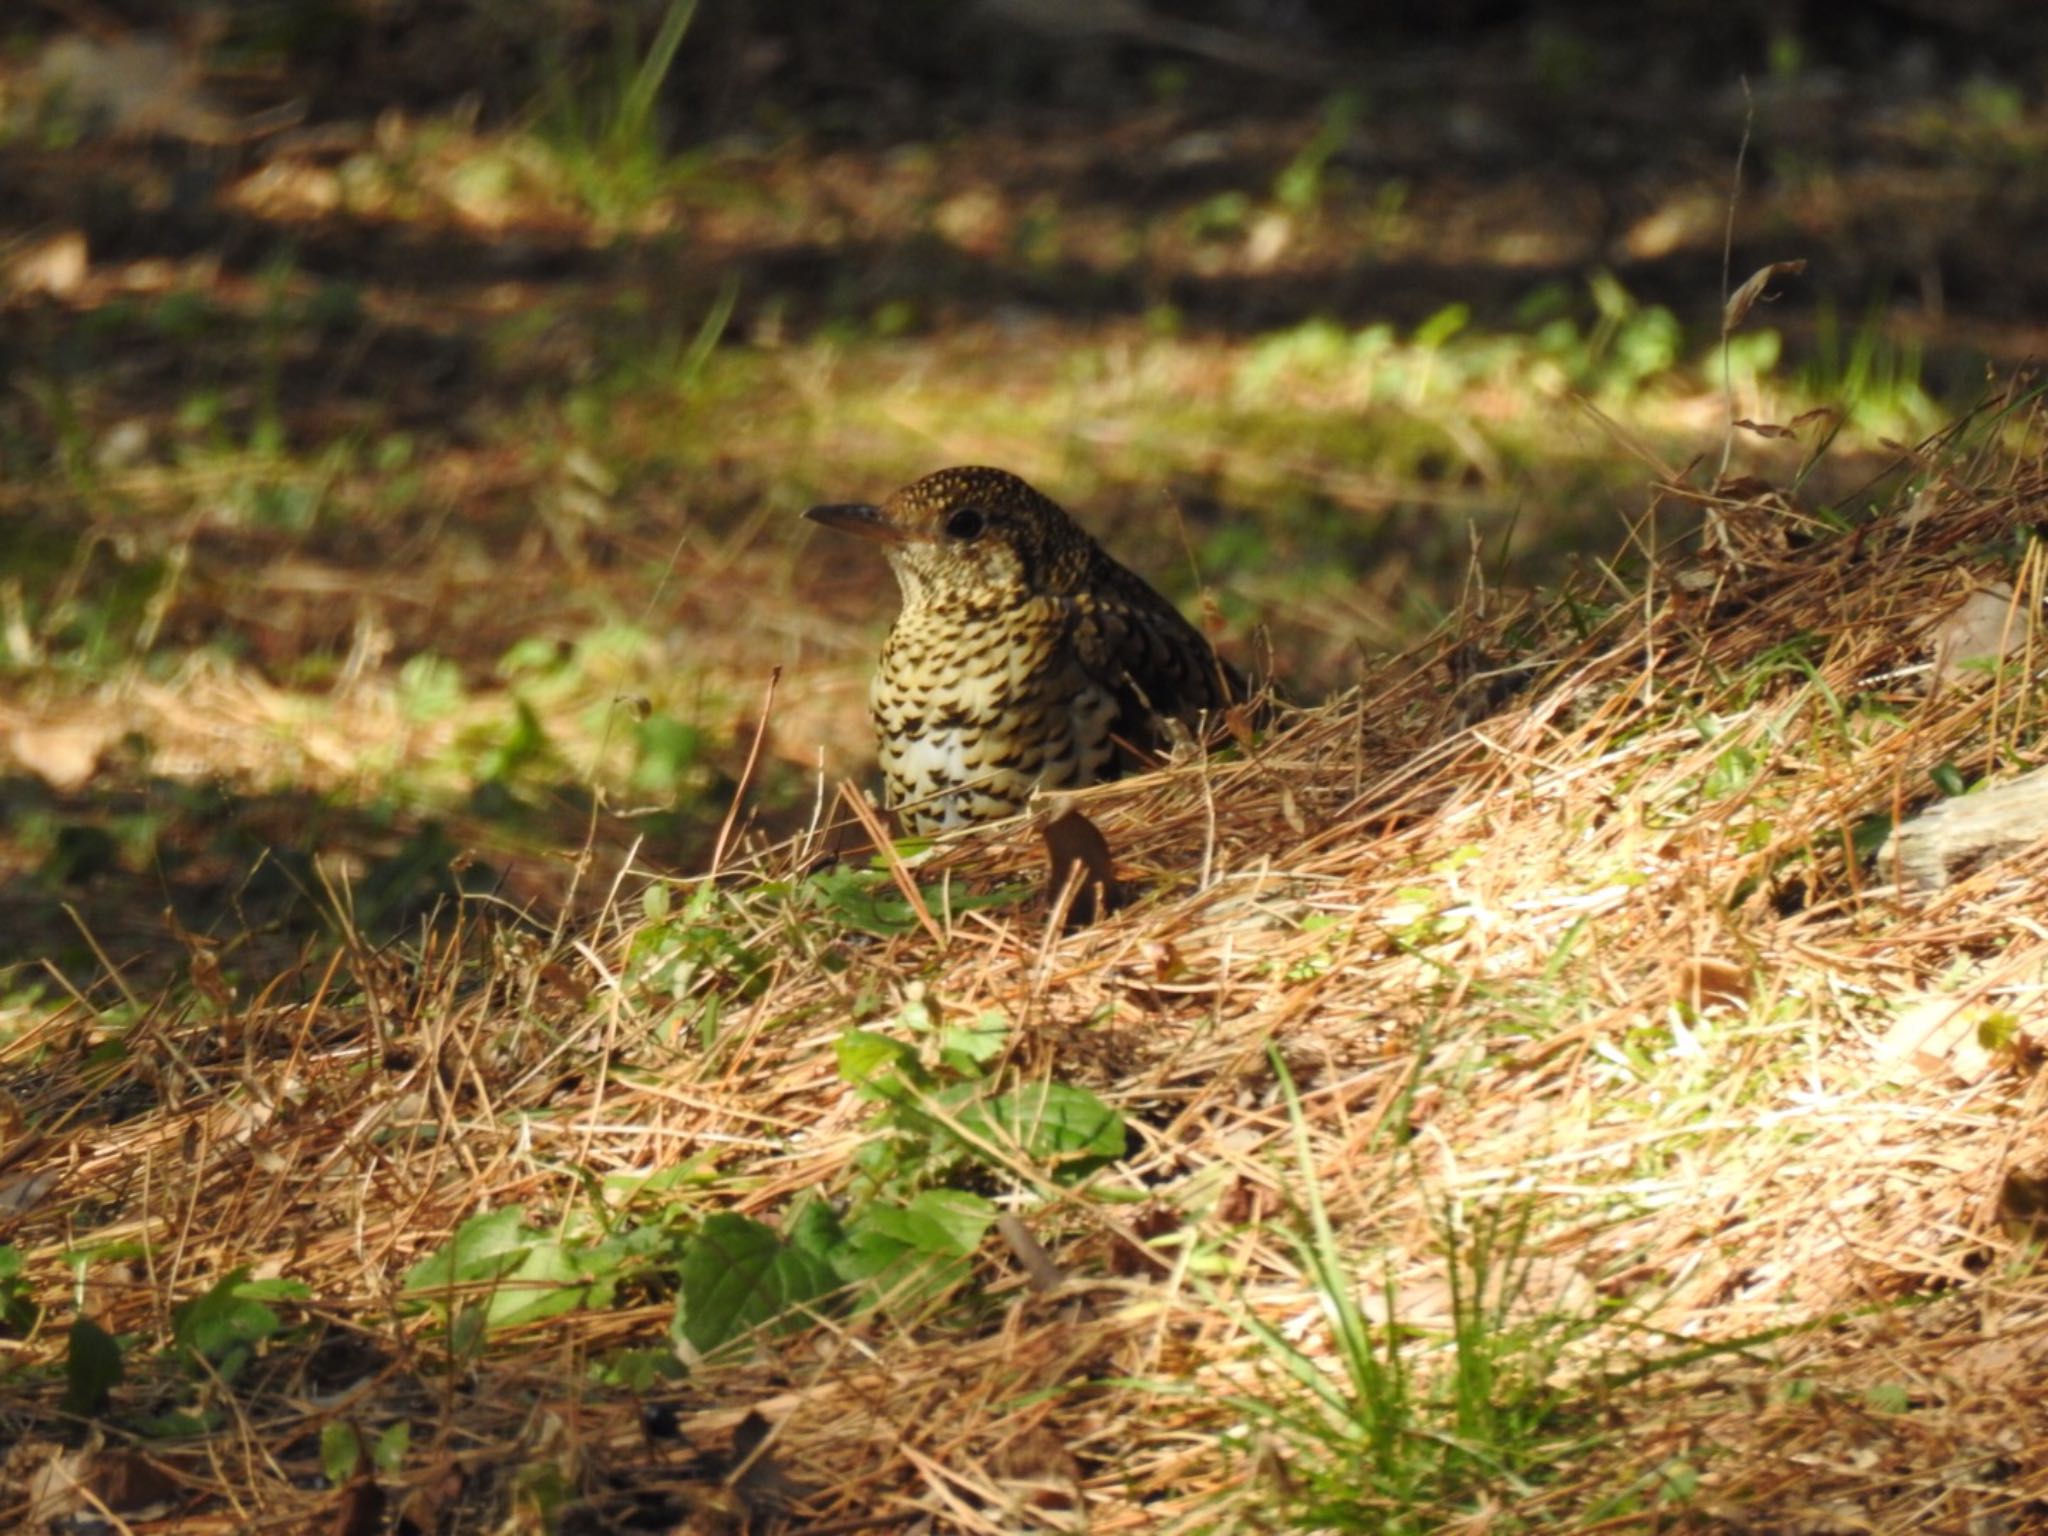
{"x": 1876, "y": 379}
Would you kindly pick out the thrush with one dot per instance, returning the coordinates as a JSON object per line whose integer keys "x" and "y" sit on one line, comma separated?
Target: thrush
{"x": 1024, "y": 658}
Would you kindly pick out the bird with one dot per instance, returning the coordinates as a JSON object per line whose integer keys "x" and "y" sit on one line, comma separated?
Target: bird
{"x": 1024, "y": 657}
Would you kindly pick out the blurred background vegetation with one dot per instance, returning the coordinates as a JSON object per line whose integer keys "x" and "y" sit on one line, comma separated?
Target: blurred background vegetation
{"x": 408, "y": 405}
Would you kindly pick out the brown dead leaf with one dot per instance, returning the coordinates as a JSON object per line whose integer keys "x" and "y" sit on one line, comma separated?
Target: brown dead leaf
{"x": 1745, "y": 298}
{"x": 1237, "y": 720}
{"x": 1131, "y": 1256}
{"x": 96, "y": 1480}
{"x": 431, "y": 1507}
{"x": 130, "y": 1484}
{"x": 1704, "y": 982}
{"x": 1244, "y": 1202}
{"x": 56, "y": 1487}
{"x": 1038, "y": 1460}
{"x": 1081, "y": 864}
{"x": 1164, "y": 960}
{"x": 1762, "y": 428}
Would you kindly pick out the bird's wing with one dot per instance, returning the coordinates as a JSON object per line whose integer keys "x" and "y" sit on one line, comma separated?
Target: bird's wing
{"x": 1155, "y": 663}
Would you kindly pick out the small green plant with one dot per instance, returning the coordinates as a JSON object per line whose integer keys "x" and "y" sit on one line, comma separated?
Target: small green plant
{"x": 342, "y": 1452}
{"x": 1399, "y": 1429}
{"x": 940, "y": 1113}
{"x": 1301, "y": 187}
{"x": 1875, "y": 379}
{"x": 866, "y": 899}
{"x": 695, "y": 957}
{"x": 429, "y": 688}
{"x": 225, "y": 1323}
{"x": 498, "y": 1272}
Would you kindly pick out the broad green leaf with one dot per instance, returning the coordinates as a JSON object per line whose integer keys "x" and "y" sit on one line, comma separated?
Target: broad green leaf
{"x": 738, "y": 1275}
{"x": 815, "y": 1229}
{"x": 223, "y": 1319}
{"x": 482, "y": 1248}
{"x": 1049, "y": 1122}
{"x": 908, "y": 1255}
{"x": 937, "y": 1221}
{"x": 892, "y": 1271}
{"x": 546, "y": 1281}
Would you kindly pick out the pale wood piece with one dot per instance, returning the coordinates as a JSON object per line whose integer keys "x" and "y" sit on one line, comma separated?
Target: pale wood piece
{"x": 1950, "y": 841}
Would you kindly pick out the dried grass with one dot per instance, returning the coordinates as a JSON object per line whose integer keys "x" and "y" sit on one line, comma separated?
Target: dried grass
{"x": 1604, "y": 959}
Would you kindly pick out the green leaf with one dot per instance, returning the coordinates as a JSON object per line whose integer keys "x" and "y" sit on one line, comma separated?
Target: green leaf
{"x": 911, "y": 1254}
{"x": 668, "y": 749}
{"x": 623, "y": 1189}
{"x": 636, "y": 1370}
{"x": 389, "y": 1453}
{"x": 117, "y": 1252}
{"x": 877, "y": 1065}
{"x": 1731, "y": 773}
{"x": 177, "y": 1424}
{"x": 483, "y": 1248}
{"x": 546, "y": 1281}
{"x": 893, "y": 1272}
{"x": 815, "y": 1229}
{"x": 948, "y": 1221}
{"x": 341, "y": 1451}
{"x": 1442, "y": 326}
{"x": 92, "y": 1367}
{"x": 1049, "y": 1122}
{"x": 739, "y": 1275}
{"x": 223, "y": 1319}
{"x": 468, "y": 1332}
{"x": 868, "y": 900}
{"x": 968, "y": 1048}
{"x": 275, "y": 1289}
{"x": 503, "y": 750}
{"x": 856, "y": 899}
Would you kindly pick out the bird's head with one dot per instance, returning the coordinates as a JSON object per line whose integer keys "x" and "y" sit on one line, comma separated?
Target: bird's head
{"x": 969, "y": 537}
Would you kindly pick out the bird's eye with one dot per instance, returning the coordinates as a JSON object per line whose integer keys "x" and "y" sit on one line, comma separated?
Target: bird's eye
{"x": 965, "y": 523}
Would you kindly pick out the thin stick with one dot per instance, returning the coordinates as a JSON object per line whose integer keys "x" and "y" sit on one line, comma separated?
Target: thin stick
{"x": 1727, "y": 271}
{"x": 739, "y": 793}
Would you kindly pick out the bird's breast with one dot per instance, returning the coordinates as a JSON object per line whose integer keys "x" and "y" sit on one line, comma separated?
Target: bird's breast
{"x": 975, "y": 713}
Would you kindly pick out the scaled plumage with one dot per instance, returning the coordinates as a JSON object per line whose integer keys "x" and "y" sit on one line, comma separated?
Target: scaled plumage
{"x": 1025, "y": 658}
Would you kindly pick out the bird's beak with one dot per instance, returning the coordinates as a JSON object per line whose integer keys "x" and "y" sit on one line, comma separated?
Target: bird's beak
{"x": 860, "y": 519}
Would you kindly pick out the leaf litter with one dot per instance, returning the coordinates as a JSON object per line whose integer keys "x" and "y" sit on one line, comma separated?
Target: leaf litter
{"x": 1607, "y": 967}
